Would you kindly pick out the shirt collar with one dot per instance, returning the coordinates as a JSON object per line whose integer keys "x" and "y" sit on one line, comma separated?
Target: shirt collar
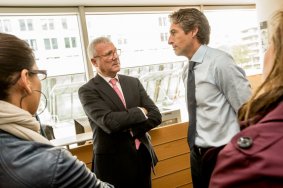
{"x": 199, "y": 55}
{"x": 107, "y": 79}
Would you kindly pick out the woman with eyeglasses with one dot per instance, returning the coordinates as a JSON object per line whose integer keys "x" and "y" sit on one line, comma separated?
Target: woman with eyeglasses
{"x": 27, "y": 159}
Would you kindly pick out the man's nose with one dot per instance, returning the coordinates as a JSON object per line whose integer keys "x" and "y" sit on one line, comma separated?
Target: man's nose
{"x": 170, "y": 41}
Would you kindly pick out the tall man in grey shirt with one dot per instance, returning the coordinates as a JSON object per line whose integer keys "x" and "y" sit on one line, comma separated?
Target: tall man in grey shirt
{"x": 220, "y": 88}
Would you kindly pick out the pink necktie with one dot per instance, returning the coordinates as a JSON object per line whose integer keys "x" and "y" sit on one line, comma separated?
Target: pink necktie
{"x": 113, "y": 82}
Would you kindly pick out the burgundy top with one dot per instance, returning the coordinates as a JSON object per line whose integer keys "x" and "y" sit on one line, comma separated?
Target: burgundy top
{"x": 254, "y": 157}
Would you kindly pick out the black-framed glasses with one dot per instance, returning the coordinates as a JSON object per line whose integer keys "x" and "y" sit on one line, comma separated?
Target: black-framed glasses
{"x": 42, "y": 74}
{"x": 110, "y": 54}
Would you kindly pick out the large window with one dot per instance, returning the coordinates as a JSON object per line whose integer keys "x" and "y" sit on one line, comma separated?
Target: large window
{"x": 142, "y": 35}
{"x": 26, "y": 24}
{"x": 60, "y": 54}
{"x": 47, "y": 24}
{"x": 32, "y": 43}
{"x": 5, "y": 25}
{"x": 236, "y": 32}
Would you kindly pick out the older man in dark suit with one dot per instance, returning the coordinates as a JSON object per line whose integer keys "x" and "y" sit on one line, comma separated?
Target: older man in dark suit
{"x": 120, "y": 113}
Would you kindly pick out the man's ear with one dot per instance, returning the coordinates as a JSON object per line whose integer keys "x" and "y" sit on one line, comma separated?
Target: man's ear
{"x": 93, "y": 61}
{"x": 194, "y": 31}
{"x": 25, "y": 82}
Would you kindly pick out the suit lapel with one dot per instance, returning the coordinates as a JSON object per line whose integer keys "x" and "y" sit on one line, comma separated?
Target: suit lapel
{"x": 108, "y": 91}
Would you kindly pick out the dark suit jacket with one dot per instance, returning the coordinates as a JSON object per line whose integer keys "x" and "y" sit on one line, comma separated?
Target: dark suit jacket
{"x": 111, "y": 123}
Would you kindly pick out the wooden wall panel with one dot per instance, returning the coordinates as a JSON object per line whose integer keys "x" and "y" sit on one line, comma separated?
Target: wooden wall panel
{"x": 172, "y": 165}
{"x": 171, "y": 149}
{"x": 170, "y": 145}
{"x": 189, "y": 185}
{"x": 165, "y": 134}
{"x": 83, "y": 153}
{"x": 176, "y": 179}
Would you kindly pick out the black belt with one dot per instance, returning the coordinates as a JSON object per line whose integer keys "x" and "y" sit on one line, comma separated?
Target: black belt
{"x": 200, "y": 150}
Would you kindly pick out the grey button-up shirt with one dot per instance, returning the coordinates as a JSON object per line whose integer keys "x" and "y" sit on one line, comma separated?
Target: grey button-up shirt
{"x": 221, "y": 88}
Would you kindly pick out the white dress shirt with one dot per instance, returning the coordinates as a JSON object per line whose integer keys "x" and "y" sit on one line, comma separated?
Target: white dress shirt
{"x": 221, "y": 88}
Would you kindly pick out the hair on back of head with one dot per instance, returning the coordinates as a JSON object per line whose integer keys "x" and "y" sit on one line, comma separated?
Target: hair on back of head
{"x": 15, "y": 55}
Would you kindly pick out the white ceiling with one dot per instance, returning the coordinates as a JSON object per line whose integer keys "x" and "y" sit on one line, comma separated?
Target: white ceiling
{"x": 122, "y": 2}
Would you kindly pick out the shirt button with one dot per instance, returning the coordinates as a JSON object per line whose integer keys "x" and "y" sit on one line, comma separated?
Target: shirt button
{"x": 245, "y": 142}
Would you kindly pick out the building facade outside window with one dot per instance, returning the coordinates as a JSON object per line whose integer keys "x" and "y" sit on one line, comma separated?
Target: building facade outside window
{"x": 236, "y": 32}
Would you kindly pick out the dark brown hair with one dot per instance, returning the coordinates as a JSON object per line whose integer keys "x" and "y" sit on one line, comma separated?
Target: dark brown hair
{"x": 15, "y": 55}
{"x": 191, "y": 18}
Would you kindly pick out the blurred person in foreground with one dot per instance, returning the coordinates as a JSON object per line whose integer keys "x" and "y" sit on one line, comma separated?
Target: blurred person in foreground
{"x": 120, "y": 113}
{"x": 215, "y": 89}
{"x": 253, "y": 158}
{"x": 27, "y": 159}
